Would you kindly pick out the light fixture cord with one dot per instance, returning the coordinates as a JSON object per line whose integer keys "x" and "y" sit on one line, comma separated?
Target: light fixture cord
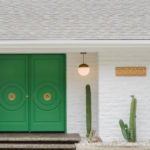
{"x": 83, "y": 58}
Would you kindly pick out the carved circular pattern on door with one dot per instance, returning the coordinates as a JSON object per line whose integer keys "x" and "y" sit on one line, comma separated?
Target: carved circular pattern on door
{"x": 46, "y": 96}
{"x": 11, "y": 96}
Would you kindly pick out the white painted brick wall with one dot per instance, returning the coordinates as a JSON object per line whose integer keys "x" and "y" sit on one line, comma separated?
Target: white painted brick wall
{"x": 114, "y": 93}
{"x": 74, "y": 19}
{"x": 76, "y": 118}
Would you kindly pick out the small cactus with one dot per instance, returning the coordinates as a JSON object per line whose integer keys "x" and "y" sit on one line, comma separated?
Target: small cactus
{"x": 88, "y": 110}
{"x": 129, "y": 133}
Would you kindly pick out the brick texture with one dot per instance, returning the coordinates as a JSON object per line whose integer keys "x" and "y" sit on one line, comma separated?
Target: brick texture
{"x": 114, "y": 93}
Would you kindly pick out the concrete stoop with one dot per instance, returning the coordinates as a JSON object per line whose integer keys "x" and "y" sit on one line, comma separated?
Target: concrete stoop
{"x": 39, "y": 141}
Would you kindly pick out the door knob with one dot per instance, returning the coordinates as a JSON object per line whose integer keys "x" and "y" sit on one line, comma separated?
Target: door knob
{"x": 27, "y": 96}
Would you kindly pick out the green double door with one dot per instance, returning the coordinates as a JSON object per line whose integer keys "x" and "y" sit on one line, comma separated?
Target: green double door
{"x": 32, "y": 92}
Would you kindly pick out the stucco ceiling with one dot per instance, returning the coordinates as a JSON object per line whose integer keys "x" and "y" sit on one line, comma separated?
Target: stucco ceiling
{"x": 74, "y": 19}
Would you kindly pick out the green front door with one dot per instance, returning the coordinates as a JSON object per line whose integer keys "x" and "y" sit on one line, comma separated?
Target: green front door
{"x": 32, "y": 92}
{"x": 13, "y": 89}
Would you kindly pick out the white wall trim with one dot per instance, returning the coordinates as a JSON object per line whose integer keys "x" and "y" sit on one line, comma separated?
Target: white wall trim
{"x": 71, "y": 43}
{"x": 64, "y": 46}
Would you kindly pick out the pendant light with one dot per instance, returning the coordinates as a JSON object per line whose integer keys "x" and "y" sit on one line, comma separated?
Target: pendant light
{"x": 83, "y": 68}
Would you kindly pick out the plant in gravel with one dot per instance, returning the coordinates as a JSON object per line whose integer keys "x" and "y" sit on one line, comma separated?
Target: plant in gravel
{"x": 129, "y": 133}
{"x": 90, "y": 134}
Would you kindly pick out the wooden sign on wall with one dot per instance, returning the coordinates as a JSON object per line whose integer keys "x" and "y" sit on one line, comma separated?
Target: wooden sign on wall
{"x": 130, "y": 71}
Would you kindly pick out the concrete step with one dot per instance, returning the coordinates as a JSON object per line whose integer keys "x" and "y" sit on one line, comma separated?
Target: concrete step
{"x": 38, "y": 146}
{"x": 39, "y": 138}
{"x": 38, "y": 141}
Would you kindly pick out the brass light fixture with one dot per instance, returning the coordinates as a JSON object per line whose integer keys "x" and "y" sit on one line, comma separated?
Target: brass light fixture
{"x": 83, "y": 68}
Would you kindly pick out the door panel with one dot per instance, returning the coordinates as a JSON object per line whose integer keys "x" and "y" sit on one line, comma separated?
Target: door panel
{"x": 47, "y": 80}
{"x": 13, "y": 88}
{"x": 32, "y": 92}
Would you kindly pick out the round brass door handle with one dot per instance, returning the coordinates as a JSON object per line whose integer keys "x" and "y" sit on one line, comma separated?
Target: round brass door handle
{"x": 11, "y": 96}
{"x": 27, "y": 96}
{"x": 47, "y": 96}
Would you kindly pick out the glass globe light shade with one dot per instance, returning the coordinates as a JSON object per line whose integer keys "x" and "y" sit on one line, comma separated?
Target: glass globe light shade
{"x": 83, "y": 69}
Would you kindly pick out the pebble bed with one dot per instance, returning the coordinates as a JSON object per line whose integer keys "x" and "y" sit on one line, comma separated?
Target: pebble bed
{"x": 115, "y": 145}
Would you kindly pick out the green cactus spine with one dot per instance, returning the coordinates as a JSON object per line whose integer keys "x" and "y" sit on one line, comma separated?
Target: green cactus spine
{"x": 129, "y": 133}
{"x": 132, "y": 122}
{"x": 88, "y": 110}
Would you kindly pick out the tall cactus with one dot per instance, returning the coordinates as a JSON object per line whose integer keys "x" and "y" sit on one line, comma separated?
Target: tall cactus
{"x": 129, "y": 133}
{"x": 88, "y": 110}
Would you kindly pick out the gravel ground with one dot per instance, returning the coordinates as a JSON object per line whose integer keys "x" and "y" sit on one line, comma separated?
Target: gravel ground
{"x": 84, "y": 145}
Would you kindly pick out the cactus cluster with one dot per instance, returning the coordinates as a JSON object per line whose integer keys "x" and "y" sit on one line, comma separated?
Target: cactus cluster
{"x": 88, "y": 110}
{"x": 129, "y": 133}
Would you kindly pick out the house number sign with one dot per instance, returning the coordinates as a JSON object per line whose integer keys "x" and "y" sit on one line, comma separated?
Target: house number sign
{"x": 130, "y": 71}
